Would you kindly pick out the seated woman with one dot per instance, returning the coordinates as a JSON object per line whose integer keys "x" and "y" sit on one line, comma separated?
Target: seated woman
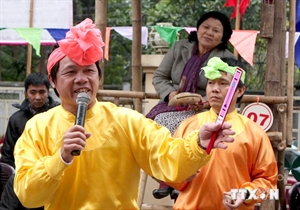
{"x": 185, "y": 60}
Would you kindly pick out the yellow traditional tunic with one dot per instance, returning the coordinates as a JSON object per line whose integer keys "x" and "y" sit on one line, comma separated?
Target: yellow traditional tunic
{"x": 106, "y": 174}
{"x": 247, "y": 162}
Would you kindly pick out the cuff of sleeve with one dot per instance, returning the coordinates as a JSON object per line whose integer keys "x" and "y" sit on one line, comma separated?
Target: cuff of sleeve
{"x": 55, "y": 166}
{"x": 165, "y": 94}
{"x": 198, "y": 151}
{"x": 63, "y": 159}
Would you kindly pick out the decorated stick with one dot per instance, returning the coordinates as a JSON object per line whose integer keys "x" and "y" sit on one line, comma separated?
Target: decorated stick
{"x": 222, "y": 115}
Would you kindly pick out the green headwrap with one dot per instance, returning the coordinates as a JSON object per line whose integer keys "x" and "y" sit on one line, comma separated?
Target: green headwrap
{"x": 215, "y": 65}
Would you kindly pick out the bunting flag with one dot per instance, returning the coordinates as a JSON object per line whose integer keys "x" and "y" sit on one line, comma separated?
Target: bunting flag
{"x": 244, "y": 42}
{"x": 9, "y": 36}
{"x": 127, "y": 33}
{"x": 32, "y": 36}
{"x": 233, "y": 3}
{"x": 58, "y": 34}
{"x": 168, "y": 34}
{"x": 190, "y": 29}
{"x": 297, "y": 35}
{"x": 297, "y": 46}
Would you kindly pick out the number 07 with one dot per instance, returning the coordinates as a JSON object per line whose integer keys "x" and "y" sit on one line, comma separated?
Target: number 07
{"x": 253, "y": 116}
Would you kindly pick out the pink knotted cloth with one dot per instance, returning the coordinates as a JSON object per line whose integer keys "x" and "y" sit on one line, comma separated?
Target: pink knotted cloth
{"x": 83, "y": 45}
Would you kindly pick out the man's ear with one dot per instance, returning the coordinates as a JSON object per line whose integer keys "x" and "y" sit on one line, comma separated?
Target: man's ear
{"x": 51, "y": 81}
{"x": 240, "y": 91}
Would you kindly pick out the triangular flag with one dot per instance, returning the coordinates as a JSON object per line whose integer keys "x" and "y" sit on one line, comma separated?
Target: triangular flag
{"x": 32, "y": 36}
{"x": 58, "y": 34}
{"x": 168, "y": 34}
{"x": 190, "y": 29}
{"x": 107, "y": 39}
{"x": 145, "y": 34}
{"x": 297, "y": 34}
{"x": 127, "y": 33}
{"x": 244, "y": 42}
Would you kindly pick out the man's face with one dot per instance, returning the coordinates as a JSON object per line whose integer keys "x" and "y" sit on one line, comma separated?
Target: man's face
{"x": 217, "y": 89}
{"x": 72, "y": 79}
{"x": 37, "y": 95}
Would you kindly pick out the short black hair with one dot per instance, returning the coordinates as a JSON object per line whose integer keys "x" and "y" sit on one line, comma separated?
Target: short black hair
{"x": 235, "y": 62}
{"x": 227, "y": 30}
{"x": 35, "y": 79}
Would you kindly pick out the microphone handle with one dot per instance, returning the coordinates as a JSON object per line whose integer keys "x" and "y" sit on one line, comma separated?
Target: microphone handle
{"x": 75, "y": 152}
{"x": 80, "y": 118}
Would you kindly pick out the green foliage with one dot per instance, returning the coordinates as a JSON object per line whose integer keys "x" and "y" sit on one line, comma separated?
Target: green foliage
{"x": 118, "y": 67}
{"x": 13, "y": 63}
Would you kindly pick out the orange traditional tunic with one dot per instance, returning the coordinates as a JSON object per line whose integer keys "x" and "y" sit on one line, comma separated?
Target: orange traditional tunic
{"x": 248, "y": 162}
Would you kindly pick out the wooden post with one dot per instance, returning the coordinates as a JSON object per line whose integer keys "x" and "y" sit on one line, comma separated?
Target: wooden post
{"x": 283, "y": 56}
{"x": 237, "y": 23}
{"x": 281, "y": 182}
{"x": 136, "y": 51}
{"x": 273, "y": 87}
{"x": 290, "y": 78}
{"x": 101, "y": 23}
{"x": 29, "y": 46}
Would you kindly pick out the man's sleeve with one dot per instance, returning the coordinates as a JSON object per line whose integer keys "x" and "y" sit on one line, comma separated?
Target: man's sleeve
{"x": 10, "y": 139}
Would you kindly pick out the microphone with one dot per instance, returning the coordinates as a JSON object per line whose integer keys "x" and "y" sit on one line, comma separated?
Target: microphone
{"x": 82, "y": 101}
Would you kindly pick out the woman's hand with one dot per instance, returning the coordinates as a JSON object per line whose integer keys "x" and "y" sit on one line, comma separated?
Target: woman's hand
{"x": 172, "y": 94}
{"x": 200, "y": 105}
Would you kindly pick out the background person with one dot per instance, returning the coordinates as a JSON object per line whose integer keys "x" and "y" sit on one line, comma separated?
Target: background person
{"x": 248, "y": 163}
{"x": 37, "y": 100}
{"x": 9, "y": 200}
{"x": 186, "y": 58}
{"x": 115, "y": 142}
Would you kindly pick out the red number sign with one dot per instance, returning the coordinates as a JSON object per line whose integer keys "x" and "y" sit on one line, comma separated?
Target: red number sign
{"x": 260, "y": 113}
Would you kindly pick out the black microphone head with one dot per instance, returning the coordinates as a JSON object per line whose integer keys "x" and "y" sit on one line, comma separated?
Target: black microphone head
{"x": 83, "y": 97}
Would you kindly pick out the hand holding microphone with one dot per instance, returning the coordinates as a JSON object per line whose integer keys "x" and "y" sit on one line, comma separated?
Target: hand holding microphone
{"x": 82, "y": 101}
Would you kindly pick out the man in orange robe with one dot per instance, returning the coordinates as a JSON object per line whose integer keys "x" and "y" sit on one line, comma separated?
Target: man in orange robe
{"x": 248, "y": 163}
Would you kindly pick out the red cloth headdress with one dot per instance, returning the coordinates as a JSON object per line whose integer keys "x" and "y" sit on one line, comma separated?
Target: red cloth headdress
{"x": 83, "y": 45}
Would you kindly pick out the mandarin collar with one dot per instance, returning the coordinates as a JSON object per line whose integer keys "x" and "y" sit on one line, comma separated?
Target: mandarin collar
{"x": 229, "y": 116}
{"x": 91, "y": 112}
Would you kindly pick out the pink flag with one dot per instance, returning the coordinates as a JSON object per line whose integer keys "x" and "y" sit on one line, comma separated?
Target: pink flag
{"x": 190, "y": 29}
{"x": 244, "y": 42}
{"x": 107, "y": 39}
